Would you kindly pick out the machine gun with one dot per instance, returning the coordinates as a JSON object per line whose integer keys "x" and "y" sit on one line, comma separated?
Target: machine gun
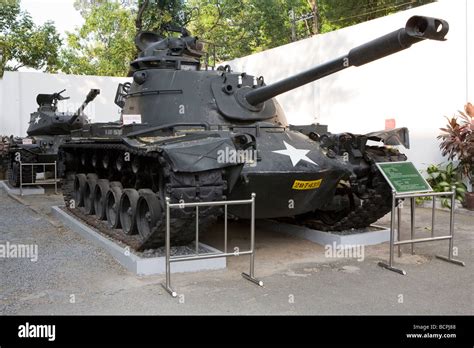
{"x": 50, "y": 100}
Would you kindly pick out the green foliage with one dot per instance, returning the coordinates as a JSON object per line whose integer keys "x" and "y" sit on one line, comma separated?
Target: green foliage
{"x": 337, "y": 14}
{"x": 24, "y": 44}
{"x": 236, "y": 27}
{"x": 457, "y": 142}
{"x": 104, "y": 44}
{"x": 158, "y": 13}
{"x": 442, "y": 178}
{"x": 242, "y": 27}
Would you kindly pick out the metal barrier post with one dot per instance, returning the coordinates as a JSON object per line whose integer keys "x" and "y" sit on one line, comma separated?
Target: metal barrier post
{"x": 55, "y": 178}
{"x": 21, "y": 179}
{"x": 251, "y": 276}
{"x": 399, "y": 223}
{"x": 197, "y": 230}
{"x": 412, "y": 223}
{"x": 433, "y": 217}
{"x": 167, "y": 286}
{"x": 225, "y": 228}
{"x": 451, "y": 233}
{"x": 392, "y": 237}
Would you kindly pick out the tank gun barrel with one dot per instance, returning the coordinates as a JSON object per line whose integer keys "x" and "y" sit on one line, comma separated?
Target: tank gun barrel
{"x": 417, "y": 28}
{"x": 90, "y": 97}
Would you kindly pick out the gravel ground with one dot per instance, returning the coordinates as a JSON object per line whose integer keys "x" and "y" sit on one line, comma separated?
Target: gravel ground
{"x": 73, "y": 276}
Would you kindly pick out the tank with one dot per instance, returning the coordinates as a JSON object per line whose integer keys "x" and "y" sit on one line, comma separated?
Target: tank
{"x": 192, "y": 133}
{"x": 47, "y": 129}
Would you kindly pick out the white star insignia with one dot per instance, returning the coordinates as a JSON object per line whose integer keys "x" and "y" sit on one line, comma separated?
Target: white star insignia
{"x": 37, "y": 119}
{"x": 295, "y": 154}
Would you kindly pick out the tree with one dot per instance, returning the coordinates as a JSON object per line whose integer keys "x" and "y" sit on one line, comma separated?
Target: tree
{"x": 24, "y": 44}
{"x": 242, "y": 27}
{"x": 104, "y": 44}
{"x": 337, "y": 14}
{"x": 313, "y": 4}
{"x": 152, "y": 15}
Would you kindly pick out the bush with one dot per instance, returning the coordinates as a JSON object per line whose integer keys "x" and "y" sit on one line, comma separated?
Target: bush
{"x": 441, "y": 178}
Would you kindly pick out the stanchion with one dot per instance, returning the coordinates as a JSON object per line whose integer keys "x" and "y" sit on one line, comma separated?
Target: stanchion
{"x": 392, "y": 237}
{"x": 412, "y": 241}
{"x": 43, "y": 182}
{"x": 168, "y": 259}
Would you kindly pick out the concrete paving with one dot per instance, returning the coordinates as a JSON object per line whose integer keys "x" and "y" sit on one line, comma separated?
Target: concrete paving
{"x": 74, "y": 276}
{"x": 27, "y": 190}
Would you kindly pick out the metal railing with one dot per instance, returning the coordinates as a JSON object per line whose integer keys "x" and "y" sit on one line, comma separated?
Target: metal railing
{"x": 33, "y": 176}
{"x": 197, "y": 256}
{"x": 397, "y": 210}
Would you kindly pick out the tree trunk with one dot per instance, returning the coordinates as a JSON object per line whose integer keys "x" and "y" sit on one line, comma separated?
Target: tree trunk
{"x": 139, "y": 19}
{"x": 314, "y": 8}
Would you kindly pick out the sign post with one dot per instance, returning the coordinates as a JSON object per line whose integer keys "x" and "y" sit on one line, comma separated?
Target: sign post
{"x": 407, "y": 182}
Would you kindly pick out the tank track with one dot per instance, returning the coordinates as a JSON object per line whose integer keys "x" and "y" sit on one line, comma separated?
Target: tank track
{"x": 203, "y": 186}
{"x": 377, "y": 204}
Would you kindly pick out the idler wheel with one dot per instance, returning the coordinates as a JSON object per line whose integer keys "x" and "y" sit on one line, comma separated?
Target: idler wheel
{"x": 112, "y": 201}
{"x": 127, "y": 210}
{"x": 100, "y": 194}
{"x": 149, "y": 212}
{"x": 89, "y": 192}
{"x": 80, "y": 183}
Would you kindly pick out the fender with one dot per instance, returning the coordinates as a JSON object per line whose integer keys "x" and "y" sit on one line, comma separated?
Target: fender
{"x": 397, "y": 136}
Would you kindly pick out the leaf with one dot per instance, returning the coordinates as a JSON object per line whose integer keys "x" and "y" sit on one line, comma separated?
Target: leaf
{"x": 24, "y": 43}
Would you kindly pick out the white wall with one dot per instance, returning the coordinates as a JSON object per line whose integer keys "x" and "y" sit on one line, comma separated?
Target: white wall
{"x": 417, "y": 87}
{"x": 18, "y": 92}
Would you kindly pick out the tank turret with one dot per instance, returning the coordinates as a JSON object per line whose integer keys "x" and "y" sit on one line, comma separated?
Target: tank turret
{"x": 168, "y": 85}
{"x": 48, "y": 121}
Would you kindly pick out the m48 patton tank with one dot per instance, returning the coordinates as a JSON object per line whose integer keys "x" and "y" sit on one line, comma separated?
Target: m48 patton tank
{"x": 47, "y": 130}
{"x": 194, "y": 134}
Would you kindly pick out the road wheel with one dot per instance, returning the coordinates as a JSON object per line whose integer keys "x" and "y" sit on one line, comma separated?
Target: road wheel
{"x": 128, "y": 208}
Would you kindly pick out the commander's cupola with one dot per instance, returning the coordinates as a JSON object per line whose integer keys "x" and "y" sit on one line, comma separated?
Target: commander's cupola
{"x": 179, "y": 53}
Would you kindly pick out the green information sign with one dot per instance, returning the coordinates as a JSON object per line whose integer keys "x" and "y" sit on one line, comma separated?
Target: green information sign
{"x": 403, "y": 177}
